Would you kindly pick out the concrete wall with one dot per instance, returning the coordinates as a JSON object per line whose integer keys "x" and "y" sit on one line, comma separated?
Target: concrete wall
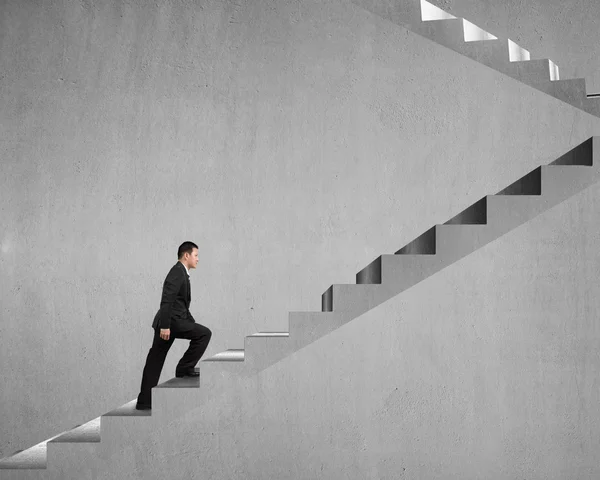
{"x": 566, "y": 32}
{"x": 294, "y": 141}
{"x": 488, "y": 369}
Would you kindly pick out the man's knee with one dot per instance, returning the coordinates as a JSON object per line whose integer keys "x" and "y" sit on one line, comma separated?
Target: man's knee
{"x": 204, "y": 331}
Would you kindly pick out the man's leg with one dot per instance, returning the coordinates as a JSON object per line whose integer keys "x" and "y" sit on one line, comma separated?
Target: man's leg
{"x": 154, "y": 364}
{"x": 199, "y": 337}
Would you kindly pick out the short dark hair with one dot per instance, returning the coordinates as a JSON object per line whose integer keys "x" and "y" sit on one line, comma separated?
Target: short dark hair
{"x": 185, "y": 247}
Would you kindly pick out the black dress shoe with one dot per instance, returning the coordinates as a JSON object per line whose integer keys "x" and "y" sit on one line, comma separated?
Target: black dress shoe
{"x": 143, "y": 407}
{"x": 188, "y": 373}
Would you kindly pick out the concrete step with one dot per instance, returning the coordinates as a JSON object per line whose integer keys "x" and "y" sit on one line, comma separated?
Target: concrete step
{"x": 558, "y": 183}
{"x": 449, "y": 33}
{"x": 263, "y": 349}
{"x": 170, "y": 399}
{"x": 529, "y": 71}
{"x": 77, "y": 446}
{"x": 592, "y": 105}
{"x": 231, "y": 355}
{"x": 510, "y": 211}
{"x": 401, "y": 271}
{"x": 76, "y": 460}
{"x": 454, "y": 242}
{"x": 572, "y": 91}
{"x": 353, "y": 299}
{"x": 306, "y": 327}
{"x": 88, "y": 432}
{"x": 48, "y": 459}
{"x": 173, "y": 396}
{"x": 32, "y": 458}
{"x": 492, "y": 53}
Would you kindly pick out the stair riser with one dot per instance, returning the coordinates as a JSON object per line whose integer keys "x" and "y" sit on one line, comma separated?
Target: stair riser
{"x": 492, "y": 53}
{"x": 531, "y": 72}
{"x": 456, "y": 241}
{"x": 400, "y": 272}
{"x": 306, "y": 327}
{"x": 562, "y": 182}
{"x": 512, "y": 211}
{"x": 570, "y": 91}
{"x": 75, "y": 460}
{"x": 354, "y": 300}
{"x": 592, "y": 106}
{"x": 449, "y": 33}
{"x": 262, "y": 352}
{"x": 168, "y": 403}
{"x": 31, "y": 460}
{"x": 122, "y": 430}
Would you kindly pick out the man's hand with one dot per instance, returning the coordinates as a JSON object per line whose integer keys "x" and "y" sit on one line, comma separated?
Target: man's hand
{"x": 164, "y": 333}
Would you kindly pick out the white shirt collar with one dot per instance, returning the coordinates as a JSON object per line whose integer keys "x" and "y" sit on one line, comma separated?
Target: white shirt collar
{"x": 186, "y": 269}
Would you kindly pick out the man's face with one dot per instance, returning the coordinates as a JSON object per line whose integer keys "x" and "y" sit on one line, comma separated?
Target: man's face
{"x": 193, "y": 258}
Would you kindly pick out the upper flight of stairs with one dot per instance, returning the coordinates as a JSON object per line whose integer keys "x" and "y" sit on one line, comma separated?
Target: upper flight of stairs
{"x": 486, "y": 220}
{"x": 501, "y": 54}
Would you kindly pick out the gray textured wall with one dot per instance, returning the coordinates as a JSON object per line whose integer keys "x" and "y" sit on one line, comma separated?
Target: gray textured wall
{"x": 293, "y": 141}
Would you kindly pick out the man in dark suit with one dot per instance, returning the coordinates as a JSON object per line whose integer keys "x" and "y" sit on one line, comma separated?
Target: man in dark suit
{"x": 174, "y": 320}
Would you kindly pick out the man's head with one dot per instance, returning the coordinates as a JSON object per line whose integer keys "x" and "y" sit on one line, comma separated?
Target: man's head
{"x": 188, "y": 254}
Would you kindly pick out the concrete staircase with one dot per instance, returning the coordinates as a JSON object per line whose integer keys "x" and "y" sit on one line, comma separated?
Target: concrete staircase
{"x": 387, "y": 276}
{"x": 501, "y": 54}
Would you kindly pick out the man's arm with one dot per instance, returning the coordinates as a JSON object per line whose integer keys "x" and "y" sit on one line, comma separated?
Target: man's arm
{"x": 171, "y": 286}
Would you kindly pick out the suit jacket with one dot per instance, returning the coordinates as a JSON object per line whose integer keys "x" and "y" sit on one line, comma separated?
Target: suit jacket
{"x": 174, "y": 311}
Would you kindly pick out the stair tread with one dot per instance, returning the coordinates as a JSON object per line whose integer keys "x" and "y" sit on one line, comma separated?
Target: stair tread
{"x": 88, "y": 432}
{"x": 128, "y": 410}
{"x": 31, "y": 458}
{"x": 270, "y": 334}
{"x": 231, "y": 355}
{"x": 181, "y": 382}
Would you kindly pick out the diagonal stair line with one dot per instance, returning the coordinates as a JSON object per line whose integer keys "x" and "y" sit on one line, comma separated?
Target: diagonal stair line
{"x": 500, "y": 54}
{"x": 483, "y": 222}
{"x": 388, "y": 275}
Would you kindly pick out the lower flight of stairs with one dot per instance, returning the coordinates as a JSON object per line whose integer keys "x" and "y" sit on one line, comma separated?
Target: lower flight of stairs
{"x": 387, "y": 276}
{"x": 501, "y": 54}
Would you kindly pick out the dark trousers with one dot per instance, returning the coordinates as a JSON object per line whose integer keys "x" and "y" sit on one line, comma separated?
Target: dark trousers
{"x": 199, "y": 337}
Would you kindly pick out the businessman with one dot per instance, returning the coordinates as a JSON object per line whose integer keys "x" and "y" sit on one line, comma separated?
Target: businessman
{"x": 174, "y": 320}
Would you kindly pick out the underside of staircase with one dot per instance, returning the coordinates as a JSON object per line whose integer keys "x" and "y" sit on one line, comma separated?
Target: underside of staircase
{"x": 387, "y": 276}
{"x": 501, "y": 54}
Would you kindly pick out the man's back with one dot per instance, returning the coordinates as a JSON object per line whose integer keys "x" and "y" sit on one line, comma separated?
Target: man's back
{"x": 174, "y": 310}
